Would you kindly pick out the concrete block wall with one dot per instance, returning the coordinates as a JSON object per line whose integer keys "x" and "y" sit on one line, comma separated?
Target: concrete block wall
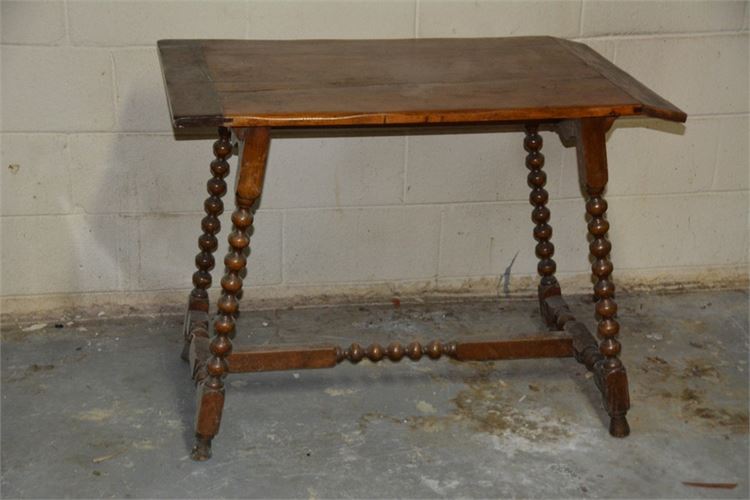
{"x": 100, "y": 203}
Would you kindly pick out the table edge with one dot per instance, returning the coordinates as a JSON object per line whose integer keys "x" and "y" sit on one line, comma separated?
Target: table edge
{"x": 646, "y": 102}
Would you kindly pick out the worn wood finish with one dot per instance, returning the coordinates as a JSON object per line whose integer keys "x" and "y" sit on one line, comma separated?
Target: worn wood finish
{"x": 539, "y": 347}
{"x": 613, "y": 384}
{"x": 590, "y": 143}
{"x": 252, "y": 86}
{"x": 207, "y": 242}
{"x": 252, "y": 165}
{"x": 540, "y": 215}
{"x": 196, "y": 322}
{"x": 301, "y": 83}
{"x": 247, "y": 191}
{"x": 476, "y": 350}
{"x": 555, "y": 311}
{"x": 652, "y": 104}
{"x": 273, "y": 358}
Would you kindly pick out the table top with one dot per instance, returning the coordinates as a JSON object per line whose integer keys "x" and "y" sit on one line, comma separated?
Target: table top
{"x": 296, "y": 83}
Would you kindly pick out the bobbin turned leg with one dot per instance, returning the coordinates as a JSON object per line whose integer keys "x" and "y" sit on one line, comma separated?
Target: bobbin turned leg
{"x": 613, "y": 371}
{"x": 609, "y": 370}
{"x": 196, "y": 316}
{"x": 211, "y": 388}
{"x": 537, "y": 179}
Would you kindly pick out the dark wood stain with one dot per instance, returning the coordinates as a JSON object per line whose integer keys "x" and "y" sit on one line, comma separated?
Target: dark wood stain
{"x": 251, "y": 86}
{"x": 302, "y": 83}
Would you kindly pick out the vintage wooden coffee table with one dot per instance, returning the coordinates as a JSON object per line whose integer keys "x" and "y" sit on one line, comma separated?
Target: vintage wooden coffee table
{"x": 249, "y": 87}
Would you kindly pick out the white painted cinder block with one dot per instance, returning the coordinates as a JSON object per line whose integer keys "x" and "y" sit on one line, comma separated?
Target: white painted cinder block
{"x": 605, "y": 48}
{"x": 733, "y": 158}
{"x": 700, "y": 74}
{"x": 33, "y": 22}
{"x": 133, "y": 22}
{"x": 646, "y": 232}
{"x": 141, "y": 100}
{"x": 67, "y": 253}
{"x": 601, "y": 18}
{"x": 168, "y": 245}
{"x": 683, "y": 230}
{"x": 446, "y": 18}
{"x": 334, "y": 172}
{"x": 355, "y": 245}
{"x": 139, "y": 173}
{"x": 648, "y": 156}
{"x": 288, "y": 19}
{"x": 56, "y": 89}
{"x": 104, "y": 198}
{"x": 34, "y": 178}
{"x": 481, "y": 240}
{"x": 474, "y": 167}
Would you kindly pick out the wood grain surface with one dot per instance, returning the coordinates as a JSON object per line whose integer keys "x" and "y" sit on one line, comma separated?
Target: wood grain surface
{"x": 297, "y": 83}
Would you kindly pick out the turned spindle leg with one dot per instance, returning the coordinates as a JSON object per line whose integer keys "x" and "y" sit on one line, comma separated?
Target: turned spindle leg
{"x": 211, "y": 389}
{"x": 207, "y": 242}
{"x": 609, "y": 370}
{"x": 540, "y": 215}
{"x": 606, "y": 309}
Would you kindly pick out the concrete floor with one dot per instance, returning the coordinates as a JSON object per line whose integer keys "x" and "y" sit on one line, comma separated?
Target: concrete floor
{"x": 103, "y": 408}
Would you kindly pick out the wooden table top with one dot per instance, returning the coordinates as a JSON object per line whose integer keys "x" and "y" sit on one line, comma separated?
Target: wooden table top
{"x": 293, "y": 83}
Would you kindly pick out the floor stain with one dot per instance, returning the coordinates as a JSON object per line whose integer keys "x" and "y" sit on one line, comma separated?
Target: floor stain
{"x": 489, "y": 407}
{"x": 426, "y": 407}
{"x": 656, "y": 365}
{"x": 485, "y": 406}
{"x": 29, "y": 371}
{"x": 701, "y": 369}
{"x": 694, "y": 404}
{"x": 339, "y": 392}
{"x": 367, "y": 418}
{"x": 693, "y": 368}
{"x": 734, "y": 421}
{"x": 96, "y": 414}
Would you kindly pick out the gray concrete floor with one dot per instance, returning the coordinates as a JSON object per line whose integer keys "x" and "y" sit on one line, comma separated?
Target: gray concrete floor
{"x": 103, "y": 407}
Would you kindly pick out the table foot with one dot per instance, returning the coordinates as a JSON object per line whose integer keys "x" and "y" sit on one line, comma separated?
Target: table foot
{"x": 618, "y": 426}
{"x": 611, "y": 382}
{"x": 201, "y": 449}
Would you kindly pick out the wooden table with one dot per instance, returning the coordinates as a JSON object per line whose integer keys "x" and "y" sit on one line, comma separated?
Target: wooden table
{"x": 248, "y": 87}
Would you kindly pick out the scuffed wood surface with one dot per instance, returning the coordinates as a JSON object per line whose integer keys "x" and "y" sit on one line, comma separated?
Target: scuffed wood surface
{"x": 242, "y": 83}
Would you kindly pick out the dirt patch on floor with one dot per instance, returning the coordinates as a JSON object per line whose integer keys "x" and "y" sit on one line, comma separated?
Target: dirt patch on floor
{"x": 656, "y": 366}
{"x": 734, "y": 421}
{"x": 683, "y": 389}
{"x": 692, "y": 368}
{"x": 700, "y": 368}
{"x": 695, "y": 407}
{"x": 29, "y": 371}
{"x": 487, "y": 405}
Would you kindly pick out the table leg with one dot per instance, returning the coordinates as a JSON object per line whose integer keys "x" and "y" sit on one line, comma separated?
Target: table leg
{"x": 592, "y": 159}
{"x": 252, "y": 166}
{"x": 537, "y": 179}
{"x": 207, "y": 242}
